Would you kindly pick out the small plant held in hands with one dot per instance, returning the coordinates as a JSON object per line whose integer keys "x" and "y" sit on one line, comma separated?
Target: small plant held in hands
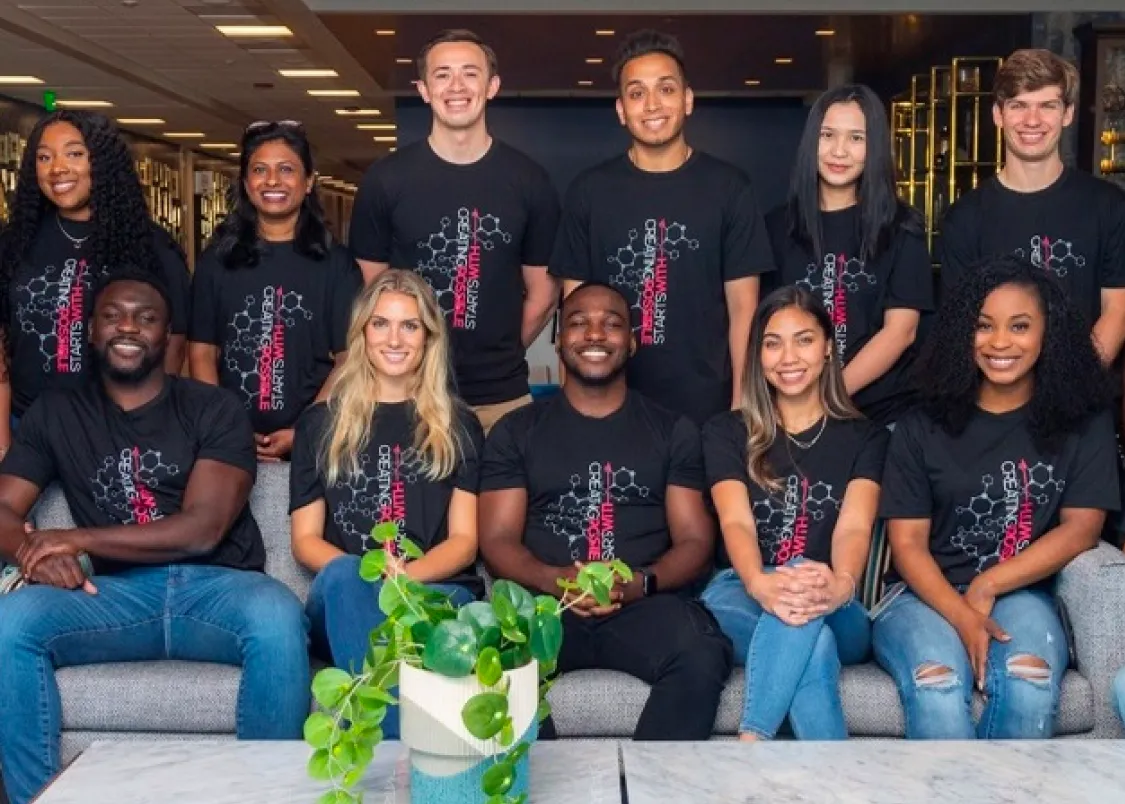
{"x": 424, "y": 630}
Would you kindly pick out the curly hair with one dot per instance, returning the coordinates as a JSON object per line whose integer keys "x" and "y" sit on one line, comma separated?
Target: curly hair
{"x": 122, "y": 232}
{"x": 1069, "y": 383}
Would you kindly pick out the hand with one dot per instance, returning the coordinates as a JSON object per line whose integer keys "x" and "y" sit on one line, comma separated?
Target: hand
{"x": 791, "y": 595}
{"x": 980, "y": 596}
{"x": 587, "y": 606}
{"x": 396, "y": 565}
{"x": 976, "y": 631}
{"x": 275, "y": 446}
{"x": 39, "y": 544}
{"x": 63, "y": 572}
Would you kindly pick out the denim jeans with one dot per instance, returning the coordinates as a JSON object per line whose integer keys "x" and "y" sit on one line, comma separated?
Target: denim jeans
{"x": 186, "y": 612}
{"x": 1119, "y": 693}
{"x": 790, "y": 670}
{"x": 909, "y": 636}
{"x": 343, "y": 609}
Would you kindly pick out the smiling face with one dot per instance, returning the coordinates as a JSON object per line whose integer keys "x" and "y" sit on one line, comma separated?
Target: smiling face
{"x": 276, "y": 181}
{"x": 129, "y": 331}
{"x": 1009, "y": 337}
{"x": 654, "y": 101}
{"x": 1032, "y": 123}
{"x": 595, "y": 337}
{"x": 458, "y": 84}
{"x": 842, "y": 151}
{"x": 62, "y": 166}
{"x": 395, "y": 337}
{"x": 794, "y": 351}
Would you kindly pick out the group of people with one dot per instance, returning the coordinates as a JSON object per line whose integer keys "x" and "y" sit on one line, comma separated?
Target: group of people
{"x": 739, "y": 407}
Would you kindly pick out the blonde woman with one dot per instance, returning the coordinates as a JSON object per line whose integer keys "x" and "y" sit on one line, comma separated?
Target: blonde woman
{"x": 795, "y": 475}
{"x": 390, "y": 444}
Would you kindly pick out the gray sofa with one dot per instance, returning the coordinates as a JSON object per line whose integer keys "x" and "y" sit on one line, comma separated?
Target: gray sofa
{"x": 184, "y": 700}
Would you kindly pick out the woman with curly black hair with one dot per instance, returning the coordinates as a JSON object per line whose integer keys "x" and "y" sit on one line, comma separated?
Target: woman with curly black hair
{"x": 1002, "y": 477}
{"x": 78, "y": 213}
{"x": 272, "y": 294}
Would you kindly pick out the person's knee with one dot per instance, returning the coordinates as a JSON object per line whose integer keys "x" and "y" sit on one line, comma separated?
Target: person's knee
{"x": 20, "y": 614}
{"x": 825, "y": 653}
{"x": 339, "y": 574}
{"x": 1026, "y": 667}
{"x": 272, "y": 613}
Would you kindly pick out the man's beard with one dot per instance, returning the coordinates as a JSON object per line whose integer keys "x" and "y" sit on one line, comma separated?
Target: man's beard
{"x": 573, "y": 370}
{"x": 133, "y": 376}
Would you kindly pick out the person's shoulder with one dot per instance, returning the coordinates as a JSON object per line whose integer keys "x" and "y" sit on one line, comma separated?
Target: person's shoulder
{"x": 401, "y": 162}
{"x": 728, "y": 423}
{"x": 512, "y": 158}
{"x": 969, "y": 204}
{"x": 338, "y": 256}
{"x": 202, "y": 396}
{"x": 859, "y": 430}
{"x": 712, "y": 165}
{"x": 1101, "y": 191}
{"x": 55, "y": 403}
{"x": 313, "y": 418}
{"x": 663, "y": 421}
{"x": 608, "y": 170}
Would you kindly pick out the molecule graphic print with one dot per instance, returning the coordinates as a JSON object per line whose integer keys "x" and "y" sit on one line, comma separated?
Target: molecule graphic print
{"x": 585, "y": 515}
{"x": 997, "y": 523}
{"x": 255, "y": 345}
{"x": 783, "y": 522}
{"x": 643, "y": 273}
{"x": 838, "y": 276}
{"x": 451, "y": 262}
{"x": 124, "y": 485}
{"x": 51, "y": 307}
{"x": 377, "y": 493}
{"x": 1053, "y": 254}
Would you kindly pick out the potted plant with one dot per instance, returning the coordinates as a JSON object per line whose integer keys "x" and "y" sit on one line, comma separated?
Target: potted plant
{"x": 472, "y": 684}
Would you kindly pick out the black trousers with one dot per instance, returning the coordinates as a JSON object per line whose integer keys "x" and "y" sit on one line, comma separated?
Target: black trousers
{"x": 666, "y": 641}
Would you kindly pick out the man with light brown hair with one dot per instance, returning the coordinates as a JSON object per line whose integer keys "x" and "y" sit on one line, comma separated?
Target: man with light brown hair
{"x": 1063, "y": 220}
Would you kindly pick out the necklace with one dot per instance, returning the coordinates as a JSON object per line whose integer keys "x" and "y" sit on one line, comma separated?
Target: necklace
{"x": 687, "y": 155}
{"x": 76, "y": 241}
{"x": 810, "y": 444}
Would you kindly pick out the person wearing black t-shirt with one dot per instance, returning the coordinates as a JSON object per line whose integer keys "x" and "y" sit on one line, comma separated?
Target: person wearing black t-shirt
{"x": 272, "y": 296}
{"x": 601, "y": 473}
{"x": 157, "y": 471}
{"x": 845, "y": 236}
{"x": 679, "y": 232}
{"x": 1003, "y": 475}
{"x": 78, "y": 214}
{"x": 796, "y": 507}
{"x": 472, "y": 215}
{"x": 1066, "y": 222}
{"x": 391, "y": 444}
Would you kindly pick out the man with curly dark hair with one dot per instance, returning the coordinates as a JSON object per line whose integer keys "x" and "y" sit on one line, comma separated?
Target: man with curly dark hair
{"x": 78, "y": 214}
{"x": 1001, "y": 478}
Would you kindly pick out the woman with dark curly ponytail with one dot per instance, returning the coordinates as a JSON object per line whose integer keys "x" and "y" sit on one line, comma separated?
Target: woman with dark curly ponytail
{"x": 272, "y": 294}
{"x": 1002, "y": 477}
{"x": 79, "y": 213}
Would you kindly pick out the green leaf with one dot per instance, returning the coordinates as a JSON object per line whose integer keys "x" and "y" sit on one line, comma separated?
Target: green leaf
{"x": 497, "y": 799}
{"x": 338, "y": 797}
{"x": 513, "y": 634}
{"x": 545, "y": 604}
{"x": 489, "y": 670}
{"x": 544, "y": 710}
{"x": 354, "y": 776}
{"x": 515, "y": 656}
{"x": 410, "y": 549}
{"x": 484, "y": 714}
{"x": 520, "y": 799}
{"x": 621, "y": 569}
{"x": 451, "y": 649}
{"x": 318, "y": 765}
{"x": 569, "y": 586}
{"x": 498, "y": 779}
{"x": 507, "y": 733}
{"x": 596, "y": 571}
{"x": 520, "y": 598}
{"x": 373, "y": 565}
{"x": 546, "y": 670}
{"x": 505, "y": 610}
{"x": 318, "y": 729}
{"x": 546, "y": 637}
{"x": 342, "y": 754}
{"x": 600, "y": 591}
{"x": 385, "y": 532}
{"x": 374, "y": 694}
{"x": 517, "y": 753}
{"x": 481, "y": 616}
{"x": 390, "y": 598}
{"x": 421, "y": 632}
{"x": 330, "y": 685}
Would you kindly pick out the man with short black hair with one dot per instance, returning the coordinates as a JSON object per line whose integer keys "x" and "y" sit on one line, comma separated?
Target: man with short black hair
{"x": 475, "y": 217}
{"x": 677, "y": 230}
{"x": 165, "y": 561}
{"x": 599, "y": 473}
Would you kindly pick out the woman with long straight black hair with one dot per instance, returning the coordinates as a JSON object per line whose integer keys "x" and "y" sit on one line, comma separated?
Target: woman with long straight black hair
{"x": 844, "y": 235}
{"x": 272, "y": 293}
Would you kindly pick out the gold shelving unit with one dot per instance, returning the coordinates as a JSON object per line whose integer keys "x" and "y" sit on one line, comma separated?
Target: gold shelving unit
{"x": 12, "y": 146}
{"x": 163, "y": 195}
{"x": 212, "y": 188}
{"x": 910, "y": 138}
{"x": 1101, "y": 107}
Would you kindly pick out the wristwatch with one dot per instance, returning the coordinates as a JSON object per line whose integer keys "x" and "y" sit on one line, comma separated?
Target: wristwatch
{"x": 648, "y": 583}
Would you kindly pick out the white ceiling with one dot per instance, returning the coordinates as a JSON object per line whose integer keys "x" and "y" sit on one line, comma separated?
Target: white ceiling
{"x": 164, "y": 58}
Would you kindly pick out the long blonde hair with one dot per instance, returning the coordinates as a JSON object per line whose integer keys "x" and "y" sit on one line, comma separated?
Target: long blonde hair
{"x": 759, "y": 406}
{"x": 352, "y": 402}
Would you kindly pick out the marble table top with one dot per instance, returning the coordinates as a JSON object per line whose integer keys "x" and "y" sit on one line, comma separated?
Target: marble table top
{"x": 876, "y": 772}
{"x": 230, "y": 772}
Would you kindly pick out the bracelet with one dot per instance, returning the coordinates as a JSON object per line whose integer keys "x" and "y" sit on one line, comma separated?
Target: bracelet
{"x": 849, "y": 576}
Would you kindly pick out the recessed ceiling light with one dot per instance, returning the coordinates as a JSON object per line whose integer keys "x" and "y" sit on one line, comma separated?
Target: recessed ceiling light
{"x": 585, "y": 83}
{"x": 594, "y": 60}
{"x": 358, "y": 112}
{"x": 140, "y": 121}
{"x": 308, "y": 73}
{"x": 13, "y": 80}
{"x": 404, "y": 60}
{"x": 253, "y": 30}
{"x": 384, "y": 32}
{"x": 604, "y": 32}
{"x": 83, "y": 104}
{"x": 391, "y": 150}
{"x": 783, "y": 60}
{"x": 376, "y": 126}
{"x": 236, "y": 153}
{"x": 218, "y": 146}
{"x": 825, "y": 32}
{"x": 334, "y": 93}
{"x": 385, "y": 139}
{"x": 752, "y": 82}
{"x": 185, "y": 134}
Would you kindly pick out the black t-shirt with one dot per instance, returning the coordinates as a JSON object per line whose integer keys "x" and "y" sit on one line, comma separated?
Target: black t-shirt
{"x": 596, "y": 488}
{"x": 468, "y": 230}
{"x": 391, "y": 486}
{"x": 1075, "y": 228}
{"x": 51, "y": 294}
{"x": 669, "y": 242}
{"x": 120, "y": 467}
{"x": 277, "y": 326}
{"x": 799, "y": 519}
{"x": 857, "y": 294}
{"x": 989, "y": 492}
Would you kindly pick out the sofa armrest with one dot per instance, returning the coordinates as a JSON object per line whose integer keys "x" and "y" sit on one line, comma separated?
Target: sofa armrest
{"x": 1092, "y": 592}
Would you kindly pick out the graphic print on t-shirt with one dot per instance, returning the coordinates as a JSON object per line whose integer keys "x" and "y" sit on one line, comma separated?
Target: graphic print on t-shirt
{"x": 255, "y": 349}
{"x": 838, "y": 276}
{"x": 1053, "y": 254}
{"x": 783, "y": 523}
{"x": 453, "y": 253}
{"x": 644, "y": 271}
{"x": 378, "y": 494}
{"x": 124, "y": 483}
{"x": 585, "y": 515}
{"x": 56, "y": 299}
{"x": 997, "y": 523}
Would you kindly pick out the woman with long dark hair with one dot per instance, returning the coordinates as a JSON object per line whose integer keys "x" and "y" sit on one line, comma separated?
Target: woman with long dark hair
{"x": 1003, "y": 475}
{"x": 272, "y": 293}
{"x": 844, "y": 235}
{"x": 78, "y": 214}
{"x": 794, "y": 474}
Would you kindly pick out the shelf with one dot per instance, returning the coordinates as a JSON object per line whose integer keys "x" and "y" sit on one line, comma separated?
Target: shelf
{"x": 960, "y": 94}
{"x": 959, "y": 163}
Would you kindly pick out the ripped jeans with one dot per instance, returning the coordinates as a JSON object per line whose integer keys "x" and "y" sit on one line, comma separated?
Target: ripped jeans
{"x": 925, "y": 656}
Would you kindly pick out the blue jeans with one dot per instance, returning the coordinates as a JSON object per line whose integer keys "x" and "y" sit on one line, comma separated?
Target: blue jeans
{"x": 343, "y": 609}
{"x": 1119, "y": 693}
{"x": 790, "y": 670}
{"x": 1022, "y": 702}
{"x": 186, "y": 612}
